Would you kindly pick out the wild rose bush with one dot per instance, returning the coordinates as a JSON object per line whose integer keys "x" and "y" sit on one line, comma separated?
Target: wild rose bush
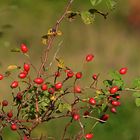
{"x": 41, "y": 98}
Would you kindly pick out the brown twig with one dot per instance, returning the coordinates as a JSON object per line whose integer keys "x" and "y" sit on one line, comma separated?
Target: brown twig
{"x": 51, "y": 39}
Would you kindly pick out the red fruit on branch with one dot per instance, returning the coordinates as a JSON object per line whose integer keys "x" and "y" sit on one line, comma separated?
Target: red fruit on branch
{"x": 51, "y": 90}
{"x": 14, "y": 84}
{"x": 57, "y": 74}
{"x": 89, "y": 57}
{"x": 89, "y": 136}
{"x": 13, "y": 127}
{"x": 117, "y": 97}
{"x": 19, "y": 96}
{"x": 78, "y": 75}
{"x": 115, "y": 103}
{"x": 86, "y": 113}
{"x": 44, "y": 87}
{"x": 104, "y": 117}
{"x": 24, "y": 48}
{"x": 77, "y": 89}
{"x": 113, "y": 110}
{"x": 38, "y": 80}
{"x": 94, "y": 76}
{"x": 4, "y": 103}
{"x": 92, "y": 101}
{"x": 1, "y": 76}
{"x": 114, "y": 89}
{"x": 26, "y": 67}
{"x": 70, "y": 74}
{"x": 10, "y": 114}
{"x": 76, "y": 117}
{"x": 22, "y": 75}
{"x": 123, "y": 71}
{"x": 58, "y": 85}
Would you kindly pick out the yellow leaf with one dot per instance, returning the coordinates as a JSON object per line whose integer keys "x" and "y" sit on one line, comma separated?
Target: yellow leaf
{"x": 59, "y": 33}
{"x": 12, "y": 67}
{"x": 60, "y": 63}
{"x": 44, "y": 39}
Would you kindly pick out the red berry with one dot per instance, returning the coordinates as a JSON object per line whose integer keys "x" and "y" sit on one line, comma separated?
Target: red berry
{"x": 70, "y": 74}
{"x": 14, "y": 84}
{"x": 26, "y": 67}
{"x": 113, "y": 110}
{"x": 114, "y": 89}
{"x": 10, "y": 114}
{"x": 123, "y": 71}
{"x": 19, "y": 96}
{"x": 58, "y": 85}
{"x": 117, "y": 97}
{"x": 24, "y": 48}
{"x": 76, "y": 117}
{"x": 78, "y": 75}
{"x": 22, "y": 75}
{"x": 86, "y": 113}
{"x": 104, "y": 117}
{"x": 94, "y": 76}
{"x": 89, "y": 136}
{"x": 4, "y": 103}
{"x": 77, "y": 89}
{"x": 115, "y": 103}
{"x": 89, "y": 57}
{"x": 51, "y": 90}
{"x": 39, "y": 80}
{"x": 57, "y": 74}
{"x": 44, "y": 87}
{"x": 92, "y": 101}
{"x": 1, "y": 76}
{"x": 13, "y": 126}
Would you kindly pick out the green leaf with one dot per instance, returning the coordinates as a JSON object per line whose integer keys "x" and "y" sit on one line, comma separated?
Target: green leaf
{"x": 87, "y": 17}
{"x": 67, "y": 106}
{"x": 15, "y": 50}
{"x": 136, "y": 83}
{"x": 137, "y": 101}
{"x": 119, "y": 83}
{"x": 136, "y": 94}
{"x": 115, "y": 75}
{"x": 95, "y": 2}
{"x": 110, "y": 4}
{"x": 64, "y": 106}
{"x": 107, "y": 83}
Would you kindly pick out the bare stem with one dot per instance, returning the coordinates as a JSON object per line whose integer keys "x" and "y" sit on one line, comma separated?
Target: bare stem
{"x": 51, "y": 39}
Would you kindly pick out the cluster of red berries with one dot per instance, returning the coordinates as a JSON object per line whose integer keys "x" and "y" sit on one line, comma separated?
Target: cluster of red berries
{"x": 40, "y": 82}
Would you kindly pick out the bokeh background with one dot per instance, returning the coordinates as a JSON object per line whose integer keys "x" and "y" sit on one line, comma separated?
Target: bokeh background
{"x": 114, "y": 42}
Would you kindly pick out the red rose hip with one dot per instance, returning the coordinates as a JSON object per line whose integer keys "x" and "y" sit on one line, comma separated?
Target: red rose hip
{"x": 24, "y": 48}
{"x": 89, "y": 136}
{"x": 77, "y": 89}
{"x": 38, "y": 80}
{"x": 22, "y": 75}
{"x": 89, "y": 57}
{"x": 44, "y": 87}
{"x": 123, "y": 71}
{"x": 4, "y": 103}
{"x": 26, "y": 67}
{"x": 1, "y": 76}
{"x": 76, "y": 117}
{"x": 78, "y": 75}
{"x": 58, "y": 85}
{"x": 14, "y": 84}
{"x": 13, "y": 127}
{"x": 92, "y": 101}
{"x": 114, "y": 89}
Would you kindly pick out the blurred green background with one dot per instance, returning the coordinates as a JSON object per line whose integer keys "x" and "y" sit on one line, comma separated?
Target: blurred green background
{"x": 114, "y": 42}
